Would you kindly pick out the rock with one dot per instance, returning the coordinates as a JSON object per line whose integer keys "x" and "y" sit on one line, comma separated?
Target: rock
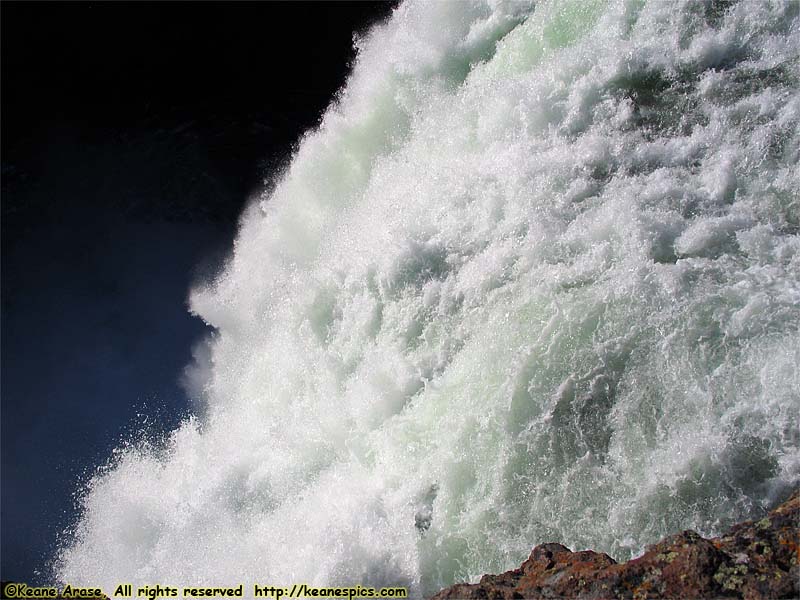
{"x": 754, "y": 560}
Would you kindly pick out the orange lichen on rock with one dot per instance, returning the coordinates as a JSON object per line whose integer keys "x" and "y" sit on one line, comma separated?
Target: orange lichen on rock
{"x": 753, "y": 560}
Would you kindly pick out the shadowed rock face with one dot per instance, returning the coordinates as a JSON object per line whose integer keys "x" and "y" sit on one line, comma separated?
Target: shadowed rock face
{"x": 755, "y": 559}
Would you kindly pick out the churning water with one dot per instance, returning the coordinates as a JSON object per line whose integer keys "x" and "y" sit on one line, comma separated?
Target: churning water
{"x": 535, "y": 277}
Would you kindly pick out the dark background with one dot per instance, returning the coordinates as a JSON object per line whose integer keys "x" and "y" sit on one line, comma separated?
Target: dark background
{"x": 132, "y": 137}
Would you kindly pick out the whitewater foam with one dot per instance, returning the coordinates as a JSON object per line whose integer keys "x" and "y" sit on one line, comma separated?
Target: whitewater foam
{"x": 535, "y": 277}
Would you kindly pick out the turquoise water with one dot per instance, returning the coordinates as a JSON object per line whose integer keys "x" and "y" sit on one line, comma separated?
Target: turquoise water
{"x": 535, "y": 277}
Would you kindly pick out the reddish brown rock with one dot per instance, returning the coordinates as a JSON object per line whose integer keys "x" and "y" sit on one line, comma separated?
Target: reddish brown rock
{"x": 754, "y": 560}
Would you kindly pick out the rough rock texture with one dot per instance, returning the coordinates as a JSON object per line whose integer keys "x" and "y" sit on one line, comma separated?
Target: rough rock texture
{"x": 755, "y": 559}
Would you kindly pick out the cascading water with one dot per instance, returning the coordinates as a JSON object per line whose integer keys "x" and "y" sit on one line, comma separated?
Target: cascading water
{"x": 535, "y": 277}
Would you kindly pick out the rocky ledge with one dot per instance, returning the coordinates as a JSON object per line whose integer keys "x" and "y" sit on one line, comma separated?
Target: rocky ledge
{"x": 755, "y": 559}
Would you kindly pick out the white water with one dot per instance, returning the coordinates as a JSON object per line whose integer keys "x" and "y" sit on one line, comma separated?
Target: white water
{"x": 536, "y": 277}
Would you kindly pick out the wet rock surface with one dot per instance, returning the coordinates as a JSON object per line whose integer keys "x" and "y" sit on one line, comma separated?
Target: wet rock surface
{"x": 754, "y": 559}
